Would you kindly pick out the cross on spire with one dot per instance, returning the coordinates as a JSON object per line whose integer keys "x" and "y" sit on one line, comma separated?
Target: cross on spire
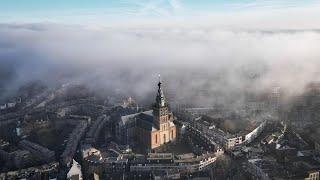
{"x": 159, "y": 84}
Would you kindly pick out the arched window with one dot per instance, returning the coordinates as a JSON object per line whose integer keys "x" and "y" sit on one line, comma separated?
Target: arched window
{"x": 156, "y": 139}
{"x": 164, "y": 138}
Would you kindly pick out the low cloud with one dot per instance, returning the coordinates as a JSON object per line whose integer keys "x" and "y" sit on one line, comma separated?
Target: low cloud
{"x": 224, "y": 64}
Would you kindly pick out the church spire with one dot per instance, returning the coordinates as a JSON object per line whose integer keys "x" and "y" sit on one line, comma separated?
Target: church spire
{"x": 160, "y": 99}
{"x": 159, "y": 84}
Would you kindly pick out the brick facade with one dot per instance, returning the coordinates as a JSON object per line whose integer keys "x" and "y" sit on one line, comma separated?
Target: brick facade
{"x": 151, "y": 128}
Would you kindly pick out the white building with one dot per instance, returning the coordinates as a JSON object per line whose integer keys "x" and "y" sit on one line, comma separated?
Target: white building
{"x": 75, "y": 171}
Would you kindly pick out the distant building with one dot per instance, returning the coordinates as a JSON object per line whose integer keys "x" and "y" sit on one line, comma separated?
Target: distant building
{"x": 73, "y": 141}
{"x": 11, "y": 104}
{"x": 267, "y": 169}
{"x": 261, "y": 168}
{"x": 42, "y": 152}
{"x": 21, "y": 158}
{"x": 230, "y": 134}
{"x": 151, "y": 128}
{"x": 274, "y": 99}
{"x": 95, "y": 129}
{"x": 46, "y": 171}
{"x": 18, "y": 129}
{"x": 165, "y": 162}
{"x": 3, "y": 106}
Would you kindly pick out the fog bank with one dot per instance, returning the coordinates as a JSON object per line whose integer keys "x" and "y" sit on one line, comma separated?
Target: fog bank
{"x": 221, "y": 63}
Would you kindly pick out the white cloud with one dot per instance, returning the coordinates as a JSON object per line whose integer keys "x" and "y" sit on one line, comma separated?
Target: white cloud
{"x": 130, "y": 58}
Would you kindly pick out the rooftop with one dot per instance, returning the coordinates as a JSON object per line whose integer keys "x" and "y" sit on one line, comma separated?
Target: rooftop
{"x": 231, "y": 125}
{"x": 155, "y": 156}
{"x": 75, "y": 169}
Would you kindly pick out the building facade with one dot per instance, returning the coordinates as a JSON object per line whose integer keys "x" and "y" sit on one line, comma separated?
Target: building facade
{"x": 151, "y": 128}
{"x": 75, "y": 171}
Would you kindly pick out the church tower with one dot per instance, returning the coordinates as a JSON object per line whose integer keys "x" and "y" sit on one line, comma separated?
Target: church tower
{"x": 160, "y": 109}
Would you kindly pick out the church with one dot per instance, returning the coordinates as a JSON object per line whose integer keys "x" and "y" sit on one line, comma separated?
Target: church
{"x": 151, "y": 128}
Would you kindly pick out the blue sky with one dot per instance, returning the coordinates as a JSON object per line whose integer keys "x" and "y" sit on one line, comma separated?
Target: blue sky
{"x": 78, "y": 11}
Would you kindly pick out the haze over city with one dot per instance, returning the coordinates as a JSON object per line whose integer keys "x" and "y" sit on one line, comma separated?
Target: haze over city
{"x": 38, "y": 39}
{"x": 236, "y": 61}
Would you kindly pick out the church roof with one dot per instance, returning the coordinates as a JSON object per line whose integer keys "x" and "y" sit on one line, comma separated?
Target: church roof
{"x": 144, "y": 120}
{"x": 125, "y": 119}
